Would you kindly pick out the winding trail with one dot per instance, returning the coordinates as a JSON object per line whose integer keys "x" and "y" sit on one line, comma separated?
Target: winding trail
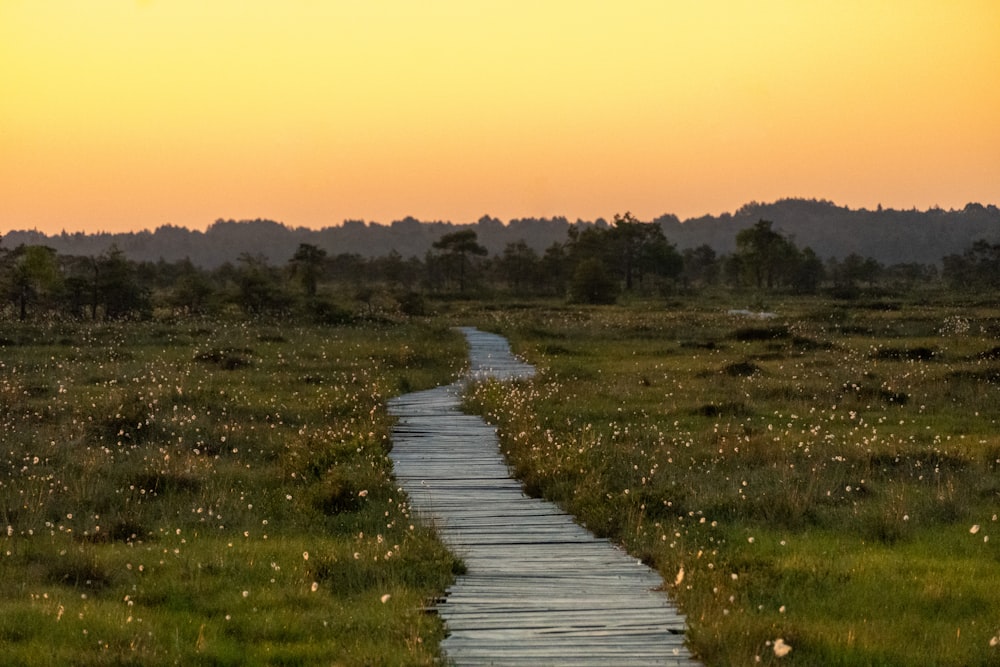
{"x": 539, "y": 588}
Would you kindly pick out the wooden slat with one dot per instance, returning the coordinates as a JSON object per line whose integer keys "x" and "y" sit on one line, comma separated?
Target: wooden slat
{"x": 539, "y": 588}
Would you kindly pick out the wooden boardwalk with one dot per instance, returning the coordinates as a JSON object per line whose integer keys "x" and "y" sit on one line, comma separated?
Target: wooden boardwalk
{"x": 540, "y": 589}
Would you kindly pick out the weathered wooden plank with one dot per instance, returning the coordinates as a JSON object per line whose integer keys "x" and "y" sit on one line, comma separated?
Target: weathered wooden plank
{"x": 540, "y": 589}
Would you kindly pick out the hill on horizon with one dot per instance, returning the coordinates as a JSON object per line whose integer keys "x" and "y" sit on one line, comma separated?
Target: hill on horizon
{"x": 887, "y": 235}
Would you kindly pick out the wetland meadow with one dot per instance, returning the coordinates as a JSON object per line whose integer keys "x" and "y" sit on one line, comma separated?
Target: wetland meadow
{"x": 817, "y": 487}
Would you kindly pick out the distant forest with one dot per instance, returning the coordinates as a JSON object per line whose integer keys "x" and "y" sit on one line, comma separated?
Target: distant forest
{"x": 369, "y": 270}
{"x": 833, "y": 232}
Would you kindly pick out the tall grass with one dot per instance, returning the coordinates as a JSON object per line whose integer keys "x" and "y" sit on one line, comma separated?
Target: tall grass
{"x": 212, "y": 494}
{"x": 829, "y": 478}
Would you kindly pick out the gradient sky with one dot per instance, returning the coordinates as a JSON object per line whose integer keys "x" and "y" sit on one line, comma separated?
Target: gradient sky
{"x": 123, "y": 115}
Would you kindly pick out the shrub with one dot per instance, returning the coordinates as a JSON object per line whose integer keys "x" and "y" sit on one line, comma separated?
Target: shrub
{"x": 592, "y": 284}
{"x": 741, "y": 369}
{"x": 749, "y": 334}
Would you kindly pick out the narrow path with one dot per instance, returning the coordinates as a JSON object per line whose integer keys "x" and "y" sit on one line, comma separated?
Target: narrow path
{"x": 540, "y": 589}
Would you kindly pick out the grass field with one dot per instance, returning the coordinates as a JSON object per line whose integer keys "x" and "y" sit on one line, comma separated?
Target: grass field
{"x": 219, "y": 492}
{"x": 829, "y": 477}
{"x": 212, "y": 493}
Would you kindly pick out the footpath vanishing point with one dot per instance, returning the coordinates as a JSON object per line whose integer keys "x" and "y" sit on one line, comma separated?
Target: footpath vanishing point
{"x": 539, "y": 588}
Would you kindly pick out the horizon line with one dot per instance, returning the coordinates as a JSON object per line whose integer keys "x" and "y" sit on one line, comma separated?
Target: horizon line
{"x": 487, "y": 216}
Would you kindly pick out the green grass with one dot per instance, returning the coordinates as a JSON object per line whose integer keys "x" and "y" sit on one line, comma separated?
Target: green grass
{"x": 213, "y": 493}
{"x": 829, "y": 477}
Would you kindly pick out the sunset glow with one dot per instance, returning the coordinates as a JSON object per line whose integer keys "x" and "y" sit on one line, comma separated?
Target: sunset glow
{"x": 121, "y": 115}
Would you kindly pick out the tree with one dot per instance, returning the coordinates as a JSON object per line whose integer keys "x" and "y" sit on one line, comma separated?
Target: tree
{"x": 77, "y": 290}
{"x": 307, "y": 263}
{"x": 592, "y": 283}
{"x": 34, "y": 276}
{"x": 192, "y": 289}
{"x": 661, "y": 259}
{"x": 259, "y": 285}
{"x": 978, "y": 266}
{"x": 733, "y": 269}
{"x": 765, "y": 254}
{"x": 808, "y": 272}
{"x": 457, "y": 246}
{"x": 116, "y": 287}
{"x": 641, "y": 247}
{"x": 855, "y": 269}
{"x": 518, "y": 265}
{"x": 628, "y": 248}
{"x": 588, "y": 258}
{"x": 347, "y": 268}
{"x": 553, "y": 269}
{"x": 701, "y": 266}
{"x": 588, "y": 242}
{"x": 395, "y": 271}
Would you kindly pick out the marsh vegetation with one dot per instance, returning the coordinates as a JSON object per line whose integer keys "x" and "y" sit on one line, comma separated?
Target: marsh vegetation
{"x": 212, "y": 493}
{"x": 217, "y": 491}
{"x": 829, "y": 477}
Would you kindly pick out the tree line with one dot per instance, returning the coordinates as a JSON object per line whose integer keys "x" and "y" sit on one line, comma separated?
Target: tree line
{"x": 886, "y": 235}
{"x": 591, "y": 264}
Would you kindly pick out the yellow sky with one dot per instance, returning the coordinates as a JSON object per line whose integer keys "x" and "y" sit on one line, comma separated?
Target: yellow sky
{"x": 118, "y": 114}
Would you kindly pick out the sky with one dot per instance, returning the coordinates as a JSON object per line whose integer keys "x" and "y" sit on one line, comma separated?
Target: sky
{"x": 120, "y": 115}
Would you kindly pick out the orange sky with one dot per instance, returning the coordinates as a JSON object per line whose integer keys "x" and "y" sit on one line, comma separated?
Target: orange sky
{"x": 119, "y": 115}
